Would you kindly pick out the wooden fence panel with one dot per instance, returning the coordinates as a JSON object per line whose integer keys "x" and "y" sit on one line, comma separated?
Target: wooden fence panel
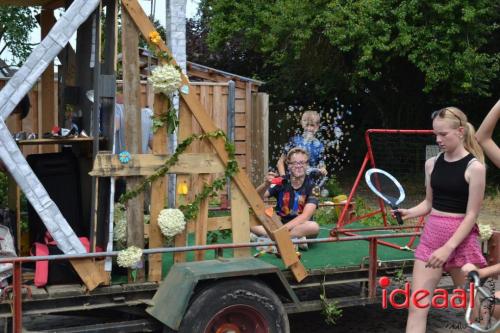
{"x": 249, "y": 133}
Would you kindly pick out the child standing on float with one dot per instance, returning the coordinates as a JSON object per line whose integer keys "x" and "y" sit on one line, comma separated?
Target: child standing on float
{"x": 310, "y": 122}
{"x": 455, "y": 182}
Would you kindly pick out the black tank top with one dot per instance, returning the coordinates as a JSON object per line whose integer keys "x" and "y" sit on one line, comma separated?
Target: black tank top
{"x": 450, "y": 191}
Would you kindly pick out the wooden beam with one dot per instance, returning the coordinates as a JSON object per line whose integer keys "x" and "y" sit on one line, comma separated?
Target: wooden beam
{"x": 185, "y": 130}
{"x": 259, "y": 137}
{"x": 158, "y": 193}
{"x": 109, "y": 165}
{"x": 217, "y": 78}
{"x": 48, "y": 112}
{"x": 132, "y": 110}
{"x": 90, "y": 271}
{"x": 271, "y": 224}
{"x": 241, "y": 221}
{"x": 201, "y": 226}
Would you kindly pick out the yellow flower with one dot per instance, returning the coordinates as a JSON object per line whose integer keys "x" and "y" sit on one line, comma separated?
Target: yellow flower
{"x": 154, "y": 37}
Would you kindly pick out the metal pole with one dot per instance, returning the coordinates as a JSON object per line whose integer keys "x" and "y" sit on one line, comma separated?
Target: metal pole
{"x": 231, "y": 109}
{"x": 17, "y": 318}
{"x": 95, "y": 63}
{"x": 372, "y": 269}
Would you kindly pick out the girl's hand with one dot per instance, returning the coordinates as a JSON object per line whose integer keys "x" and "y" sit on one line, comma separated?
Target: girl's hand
{"x": 468, "y": 268}
{"x": 404, "y": 213}
{"x": 439, "y": 257}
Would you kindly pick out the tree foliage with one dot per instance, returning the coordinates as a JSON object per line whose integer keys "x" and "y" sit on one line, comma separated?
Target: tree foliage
{"x": 394, "y": 57}
{"x": 16, "y": 24}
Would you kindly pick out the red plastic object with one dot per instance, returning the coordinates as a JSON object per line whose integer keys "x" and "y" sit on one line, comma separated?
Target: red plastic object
{"x": 277, "y": 181}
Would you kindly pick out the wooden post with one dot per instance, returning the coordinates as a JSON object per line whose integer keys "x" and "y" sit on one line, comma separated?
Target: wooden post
{"x": 14, "y": 194}
{"x": 48, "y": 111}
{"x": 259, "y": 138}
{"x": 185, "y": 130}
{"x": 131, "y": 98}
{"x": 241, "y": 221}
{"x": 249, "y": 129}
{"x": 201, "y": 227}
{"x": 158, "y": 193}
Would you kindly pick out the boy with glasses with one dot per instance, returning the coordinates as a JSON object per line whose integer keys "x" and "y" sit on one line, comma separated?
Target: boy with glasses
{"x": 296, "y": 202}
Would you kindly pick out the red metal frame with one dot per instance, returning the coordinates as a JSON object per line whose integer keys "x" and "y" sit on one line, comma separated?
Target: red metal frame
{"x": 369, "y": 158}
{"x": 17, "y": 262}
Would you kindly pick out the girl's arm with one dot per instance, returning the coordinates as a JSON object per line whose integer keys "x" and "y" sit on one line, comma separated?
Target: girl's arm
{"x": 489, "y": 271}
{"x": 483, "y": 272}
{"x": 477, "y": 182}
{"x": 485, "y": 132}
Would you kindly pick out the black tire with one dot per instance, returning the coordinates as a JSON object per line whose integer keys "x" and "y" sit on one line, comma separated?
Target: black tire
{"x": 246, "y": 304}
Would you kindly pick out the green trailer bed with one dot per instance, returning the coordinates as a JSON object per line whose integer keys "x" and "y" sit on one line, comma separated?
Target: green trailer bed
{"x": 322, "y": 255}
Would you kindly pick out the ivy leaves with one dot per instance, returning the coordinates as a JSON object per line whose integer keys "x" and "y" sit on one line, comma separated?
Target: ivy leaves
{"x": 191, "y": 210}
{"x": 168, "y": 118}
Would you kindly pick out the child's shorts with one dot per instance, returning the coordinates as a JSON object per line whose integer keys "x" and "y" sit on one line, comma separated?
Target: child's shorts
{"x": 438, "y": 230}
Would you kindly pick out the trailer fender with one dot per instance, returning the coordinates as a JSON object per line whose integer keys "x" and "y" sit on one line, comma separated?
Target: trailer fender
{"x": 172, "y": 298}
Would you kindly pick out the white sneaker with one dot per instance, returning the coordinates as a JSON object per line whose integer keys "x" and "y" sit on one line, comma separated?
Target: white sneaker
{"x": 265, "y": 248}
{"x": 302, "y": 246}
{"x": 253, "y": 237}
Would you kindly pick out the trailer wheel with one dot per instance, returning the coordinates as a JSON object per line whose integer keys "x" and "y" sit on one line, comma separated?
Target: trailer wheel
{"x": 239, "y": 306}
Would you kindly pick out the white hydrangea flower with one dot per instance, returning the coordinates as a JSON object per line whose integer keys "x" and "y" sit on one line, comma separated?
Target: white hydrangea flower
{"x": 166, "y": 79}
{"x": 485, "y": 231}
{"x": 120, "y": 224}
{"x": 171, "y": 222}
{"x": 130, "y": 257}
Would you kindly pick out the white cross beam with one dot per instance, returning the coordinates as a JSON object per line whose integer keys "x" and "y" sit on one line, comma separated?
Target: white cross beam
{"x": 15, "y": 89}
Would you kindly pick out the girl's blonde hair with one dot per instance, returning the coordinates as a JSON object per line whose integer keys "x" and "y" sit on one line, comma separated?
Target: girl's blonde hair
{"x": 310, "y": 116}
{"x": 458, "y": 118}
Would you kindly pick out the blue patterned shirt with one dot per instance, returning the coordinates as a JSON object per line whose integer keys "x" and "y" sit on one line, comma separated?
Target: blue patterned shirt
{"x": 314, "y": 148}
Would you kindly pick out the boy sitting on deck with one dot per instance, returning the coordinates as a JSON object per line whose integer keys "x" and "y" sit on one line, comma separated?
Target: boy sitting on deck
{"x": 296, "y": 203}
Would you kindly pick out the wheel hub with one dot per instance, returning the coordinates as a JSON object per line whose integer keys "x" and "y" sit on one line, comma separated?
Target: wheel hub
{"x": 238, "y": 318}
{"x": 228, "y": 328}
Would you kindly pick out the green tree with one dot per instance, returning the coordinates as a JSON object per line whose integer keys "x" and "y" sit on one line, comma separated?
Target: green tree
{"x": 16, "y": 24}
{"x": 395, "y": 58}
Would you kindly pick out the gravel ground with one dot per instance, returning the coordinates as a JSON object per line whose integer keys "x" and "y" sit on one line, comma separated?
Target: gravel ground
{"x": 374, "y": 319}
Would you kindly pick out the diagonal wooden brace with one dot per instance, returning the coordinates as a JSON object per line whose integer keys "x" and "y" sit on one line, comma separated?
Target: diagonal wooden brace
{"x": 272, "y": 224}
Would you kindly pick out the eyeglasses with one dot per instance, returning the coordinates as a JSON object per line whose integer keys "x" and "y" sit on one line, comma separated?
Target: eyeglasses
{"x": 298, "y": 163}
{"x": 442, "y": 112}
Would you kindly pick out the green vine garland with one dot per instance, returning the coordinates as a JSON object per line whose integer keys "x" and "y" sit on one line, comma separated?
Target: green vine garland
{"x": 168, "y": 118}
{"x": 191, "y": 210}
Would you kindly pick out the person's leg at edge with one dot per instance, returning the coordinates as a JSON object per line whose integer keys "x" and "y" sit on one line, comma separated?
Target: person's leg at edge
{"x": 423, "y": 279}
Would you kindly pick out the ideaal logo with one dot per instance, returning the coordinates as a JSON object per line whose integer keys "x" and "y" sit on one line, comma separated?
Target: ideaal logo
{"x": 439, "y": 299}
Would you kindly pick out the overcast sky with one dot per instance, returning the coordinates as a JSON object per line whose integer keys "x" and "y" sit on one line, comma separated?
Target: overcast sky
{"x": 191, "y": 8}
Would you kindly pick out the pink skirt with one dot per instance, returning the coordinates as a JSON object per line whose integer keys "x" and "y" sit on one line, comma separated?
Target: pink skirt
{"x": 438, "y": 230}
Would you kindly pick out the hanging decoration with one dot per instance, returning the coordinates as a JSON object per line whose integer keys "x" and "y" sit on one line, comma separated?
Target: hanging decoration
{"x": 166, "y": 79}
{"x": 485, "y": 231}
{"x": 171, "y": 222}
{"x": 130, "y": 257}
